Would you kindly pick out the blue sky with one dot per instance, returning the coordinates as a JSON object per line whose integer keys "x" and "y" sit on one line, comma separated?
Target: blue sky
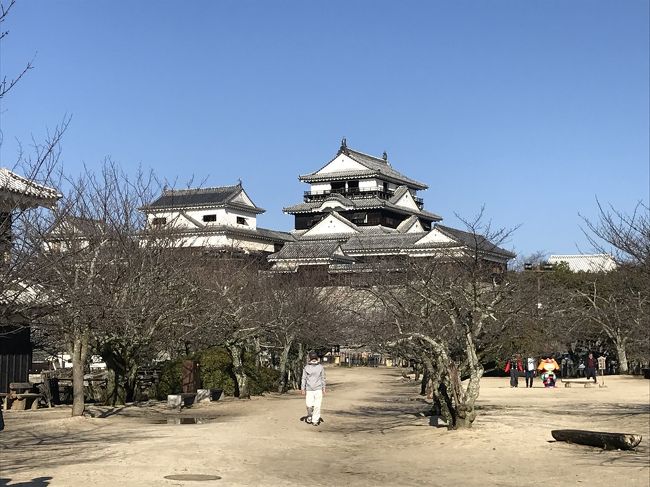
{"x": 531, "y": 108}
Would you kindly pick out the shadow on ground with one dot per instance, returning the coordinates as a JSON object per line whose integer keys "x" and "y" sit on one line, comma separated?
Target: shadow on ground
{"x": 35, "y": 482}
{"x": 397, "y": 407}
{"x": 33, "y": 449}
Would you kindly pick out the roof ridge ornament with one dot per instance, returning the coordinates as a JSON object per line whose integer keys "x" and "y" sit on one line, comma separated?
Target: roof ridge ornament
{"x": 384, "y": 156}
{"x": 344, "y": 146}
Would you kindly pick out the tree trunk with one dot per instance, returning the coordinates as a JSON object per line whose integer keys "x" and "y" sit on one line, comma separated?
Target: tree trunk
{"x": 115, "y": 390}
{"x": 296, "y": 366}
{"x": 621, "y": 351}
{"x": 130, "y": 383}
{"x": 241, "y": 379}
{"x": 284, "y": 358}
{"x": 465, "y": 411}
{"x": 79, "y": 356}
{"x": 442, "y": 403}
{"x": 424, "y": 386}
{"x": 608, "y": 441}
{"x": 257, "y": 345}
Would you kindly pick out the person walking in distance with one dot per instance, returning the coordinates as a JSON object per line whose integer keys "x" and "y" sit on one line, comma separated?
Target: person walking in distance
{"x": 313, "y": 387}
{"x": 591, "y": 367}
{"x": 513, "y": 367}
{"x": 531, "y": 365}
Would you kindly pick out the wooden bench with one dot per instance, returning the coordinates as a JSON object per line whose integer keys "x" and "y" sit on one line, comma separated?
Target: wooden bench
{"x": 20, "y": 396}
{"x": 584, "y": 382}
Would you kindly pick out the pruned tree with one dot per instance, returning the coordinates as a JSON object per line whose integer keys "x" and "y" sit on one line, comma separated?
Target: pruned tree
{"x": 293, "y": 307}
{"x": 232, "y": 302}
{"x": 115, "y": 287}
{"x": 444, "y": 306}
{"x": 617, "y": 304}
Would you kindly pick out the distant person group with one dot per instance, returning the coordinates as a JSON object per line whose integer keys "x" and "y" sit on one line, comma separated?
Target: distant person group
{"x": 546, "y": 368}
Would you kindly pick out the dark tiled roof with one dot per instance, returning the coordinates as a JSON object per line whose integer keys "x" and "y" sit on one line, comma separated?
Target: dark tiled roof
{"x": 362, "y": 203}
{"x": 261, "y": 233}
{"x": 324, "y": 250}
{"x": 395, "y": 241}
{"x": 274, "y": 234}
{"x": 473, "y": 241}
{"x": 376, "y": 166}
{"x": 374, "y": 239}
{"x": 198, "y": 197}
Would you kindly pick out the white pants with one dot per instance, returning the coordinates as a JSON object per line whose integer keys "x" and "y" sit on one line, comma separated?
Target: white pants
{"x": 314, "y": 400}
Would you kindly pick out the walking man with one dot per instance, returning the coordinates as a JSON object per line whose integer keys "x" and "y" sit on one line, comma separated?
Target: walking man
{"x": 313, "y": 388}
{"x": 531, "y": 365}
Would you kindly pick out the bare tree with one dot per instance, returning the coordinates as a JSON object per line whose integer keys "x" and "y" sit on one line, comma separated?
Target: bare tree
{"x": 625, "y": 235}
{"x": 444, "y": 307}
{"x": 231, "y": 315}
{"x": 115, "y": 288}
{"x": 7, "y": 84}
{"x": 617, "y": 304}
{"x": 618, "y": 300}
{"x": 291, "y": 307}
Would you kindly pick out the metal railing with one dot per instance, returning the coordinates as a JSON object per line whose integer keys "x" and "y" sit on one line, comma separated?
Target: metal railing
{"x": 355, "y": 193}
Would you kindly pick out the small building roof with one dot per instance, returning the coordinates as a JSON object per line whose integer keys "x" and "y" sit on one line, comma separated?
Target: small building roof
{"x": 258, "y": 233}
{"x": 474, "y": 241}
{"x": 220, "y": 196}
{"x": 21, "y": 192}
{"x": 376, "y": 167}
{"x": 585, "y": 262}
{"x": 319, "y": 250}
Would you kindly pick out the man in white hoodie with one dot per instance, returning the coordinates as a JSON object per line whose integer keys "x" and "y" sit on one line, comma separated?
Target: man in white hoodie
{"x": 313, "y": 387}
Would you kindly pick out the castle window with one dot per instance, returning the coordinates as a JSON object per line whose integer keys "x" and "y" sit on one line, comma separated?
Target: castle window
{"x": 159, "y": 221}
{"x": 241, "y": 220}
{"x": 209, "y": 218}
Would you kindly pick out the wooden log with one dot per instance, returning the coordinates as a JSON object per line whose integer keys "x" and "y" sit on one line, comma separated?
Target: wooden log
{"x": 608, "y": 441}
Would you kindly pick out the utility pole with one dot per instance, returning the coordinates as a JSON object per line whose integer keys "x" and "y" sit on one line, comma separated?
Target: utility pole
{"x": 538, "y": 268}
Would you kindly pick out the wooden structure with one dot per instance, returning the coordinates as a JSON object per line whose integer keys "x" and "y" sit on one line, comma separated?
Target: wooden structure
{"x": 21, "y": 395}
{"x": 15, "y": 355}
{"x": 599, "y": 439}
{"x": 582, "y": 382}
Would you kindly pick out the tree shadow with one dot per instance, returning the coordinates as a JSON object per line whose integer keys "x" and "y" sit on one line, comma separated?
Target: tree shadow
{"x": 35, "y": 482}
{"x": 382, "y": 414}
{"x": 637, "y": 458}
{"x": 26, "y": 450}
{"x": 103, "y": 412}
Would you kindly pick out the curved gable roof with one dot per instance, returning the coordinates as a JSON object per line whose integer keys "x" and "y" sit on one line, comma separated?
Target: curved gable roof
{"x": 376, "y": 166}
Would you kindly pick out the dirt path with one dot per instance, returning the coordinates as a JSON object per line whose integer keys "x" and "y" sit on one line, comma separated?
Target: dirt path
{"x": 372, "y": 435}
